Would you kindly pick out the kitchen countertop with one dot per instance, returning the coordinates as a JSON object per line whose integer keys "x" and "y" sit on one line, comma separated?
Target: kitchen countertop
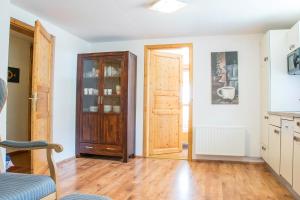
{"x": 286, "y": 114}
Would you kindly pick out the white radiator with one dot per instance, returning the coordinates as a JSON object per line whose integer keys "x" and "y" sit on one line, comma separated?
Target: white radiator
{"x": 222, "y": 141}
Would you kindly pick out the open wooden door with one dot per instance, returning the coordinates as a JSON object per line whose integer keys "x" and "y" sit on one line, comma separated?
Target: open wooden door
{"x": 41, "y": 106}
{"x": 165, "y": 103}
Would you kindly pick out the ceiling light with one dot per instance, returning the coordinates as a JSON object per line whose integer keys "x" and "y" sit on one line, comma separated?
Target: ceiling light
{"x": 167, "y": 6}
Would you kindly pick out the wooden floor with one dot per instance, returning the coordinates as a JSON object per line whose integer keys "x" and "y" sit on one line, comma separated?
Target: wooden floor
{"x": 162, "y": 179}
{"x": 183, "y": 155}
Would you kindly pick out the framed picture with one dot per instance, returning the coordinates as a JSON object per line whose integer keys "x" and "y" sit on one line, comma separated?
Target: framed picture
{"x": 224, "y": 78}
{"x": 13, "y": 75}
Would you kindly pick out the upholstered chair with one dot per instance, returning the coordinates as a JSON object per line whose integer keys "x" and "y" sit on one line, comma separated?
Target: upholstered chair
{"x": 26, "y": 186}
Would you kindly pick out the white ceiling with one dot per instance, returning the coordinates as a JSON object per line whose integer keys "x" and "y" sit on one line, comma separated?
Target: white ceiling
{"x": 110, "y": 20}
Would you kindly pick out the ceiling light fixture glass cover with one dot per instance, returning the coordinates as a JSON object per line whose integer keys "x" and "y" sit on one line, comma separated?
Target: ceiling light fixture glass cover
{"x": 167, "y": 6}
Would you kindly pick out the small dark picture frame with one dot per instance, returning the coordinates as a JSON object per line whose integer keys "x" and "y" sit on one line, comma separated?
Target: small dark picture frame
{"x": 13, "y": 75}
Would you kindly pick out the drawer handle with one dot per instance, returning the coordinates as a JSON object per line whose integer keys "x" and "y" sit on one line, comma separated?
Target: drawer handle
{"x": 88, "y": 147}
{"x": 108, "y": 148}
{"x": 266, "y": 117}
{"x": 296, "y": 139}
{"x": 298, "y": 124}
{"x": 276, "y": 131}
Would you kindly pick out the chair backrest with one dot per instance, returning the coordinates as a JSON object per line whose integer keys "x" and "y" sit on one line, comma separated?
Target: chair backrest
{"x": 3, "y": 97}
{"x": 3, "y": 93}
{"x": 2, "y": 162}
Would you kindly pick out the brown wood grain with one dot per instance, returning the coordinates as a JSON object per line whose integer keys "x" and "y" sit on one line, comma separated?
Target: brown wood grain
{"x": 147, "y": 69}
{"x": 164, "y": 179}
{"x": 41, "y": 105}
{"x": 108, "y": 133}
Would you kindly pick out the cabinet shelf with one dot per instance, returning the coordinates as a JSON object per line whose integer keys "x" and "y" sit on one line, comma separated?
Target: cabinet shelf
{"x": 113, "y": 95}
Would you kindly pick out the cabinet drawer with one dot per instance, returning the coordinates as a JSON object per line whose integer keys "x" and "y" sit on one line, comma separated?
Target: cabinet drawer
{"x": 99, "y": 149}
{"x": 297, "y": 125}
{"x": 275, "y": 120}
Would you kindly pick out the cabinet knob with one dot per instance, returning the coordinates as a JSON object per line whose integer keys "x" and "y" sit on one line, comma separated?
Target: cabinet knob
{"x": 276, "y": 131}
{"x": 263, "y": 148}
{"x": 88, "y": 147}
{"x": 266, "y": 117}
{"x": 298, "y": 123}
{"x": 296, "y": 139}
{"x": 266, "y": 59}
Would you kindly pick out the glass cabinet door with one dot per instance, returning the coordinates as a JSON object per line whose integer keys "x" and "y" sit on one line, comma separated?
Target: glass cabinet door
{"x": 90, "y": 85}
{"x": 112, "y": 86}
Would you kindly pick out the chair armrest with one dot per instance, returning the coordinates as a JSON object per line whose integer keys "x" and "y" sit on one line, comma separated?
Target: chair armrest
{"x": 28, "y": 145}
{"x": 34, "y": 145}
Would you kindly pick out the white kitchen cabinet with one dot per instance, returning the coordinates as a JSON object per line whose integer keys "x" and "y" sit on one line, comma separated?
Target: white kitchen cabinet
{"x": 265, "y": 138}
{"x": 274, "y": 148}
{"x": 286, "y": 159}
{"x": 264, "y": 98}
{"x": 296, "y": 167}
{"x": 274, "y": 76}
{"x": 293, "y": 38}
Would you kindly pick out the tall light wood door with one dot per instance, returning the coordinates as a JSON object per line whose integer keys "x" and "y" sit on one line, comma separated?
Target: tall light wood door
{"x": 165, "y": 102}
{"x": 41, "y": 111}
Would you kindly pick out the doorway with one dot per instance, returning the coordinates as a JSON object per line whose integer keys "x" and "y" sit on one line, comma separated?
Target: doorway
{"x": 29, "y": 103}
{"x": 168, "y": 102}
{"x": 19, "y": 90}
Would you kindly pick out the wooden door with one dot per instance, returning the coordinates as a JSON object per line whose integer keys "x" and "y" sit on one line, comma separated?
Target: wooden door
{"x": 41, "y": 111}
{"x": 165, "y": 104}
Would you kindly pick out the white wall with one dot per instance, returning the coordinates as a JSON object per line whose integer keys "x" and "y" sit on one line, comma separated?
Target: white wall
{"x": 67, "y": 46}
{"x": 246, "y": 114}
{"x": 4, "y": 34}
{"x": 18, "y": 93}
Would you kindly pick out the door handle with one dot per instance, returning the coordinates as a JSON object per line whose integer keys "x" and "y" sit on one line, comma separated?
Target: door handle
{"x": 34, "y": 99}
{"x": 296, "y": 139}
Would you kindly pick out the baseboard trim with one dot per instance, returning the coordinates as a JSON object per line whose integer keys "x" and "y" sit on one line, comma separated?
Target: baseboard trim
{"x": 284, "y": 183}
{"x": 240, "y": 159}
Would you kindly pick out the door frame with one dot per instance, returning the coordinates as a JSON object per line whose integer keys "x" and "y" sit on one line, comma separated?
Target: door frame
{"x": 28, "y": 30}
{"x": 147, "y": 49}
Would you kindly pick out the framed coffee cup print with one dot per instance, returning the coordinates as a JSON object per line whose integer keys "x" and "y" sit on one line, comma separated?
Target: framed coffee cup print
{"x": 224, "y": 78}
